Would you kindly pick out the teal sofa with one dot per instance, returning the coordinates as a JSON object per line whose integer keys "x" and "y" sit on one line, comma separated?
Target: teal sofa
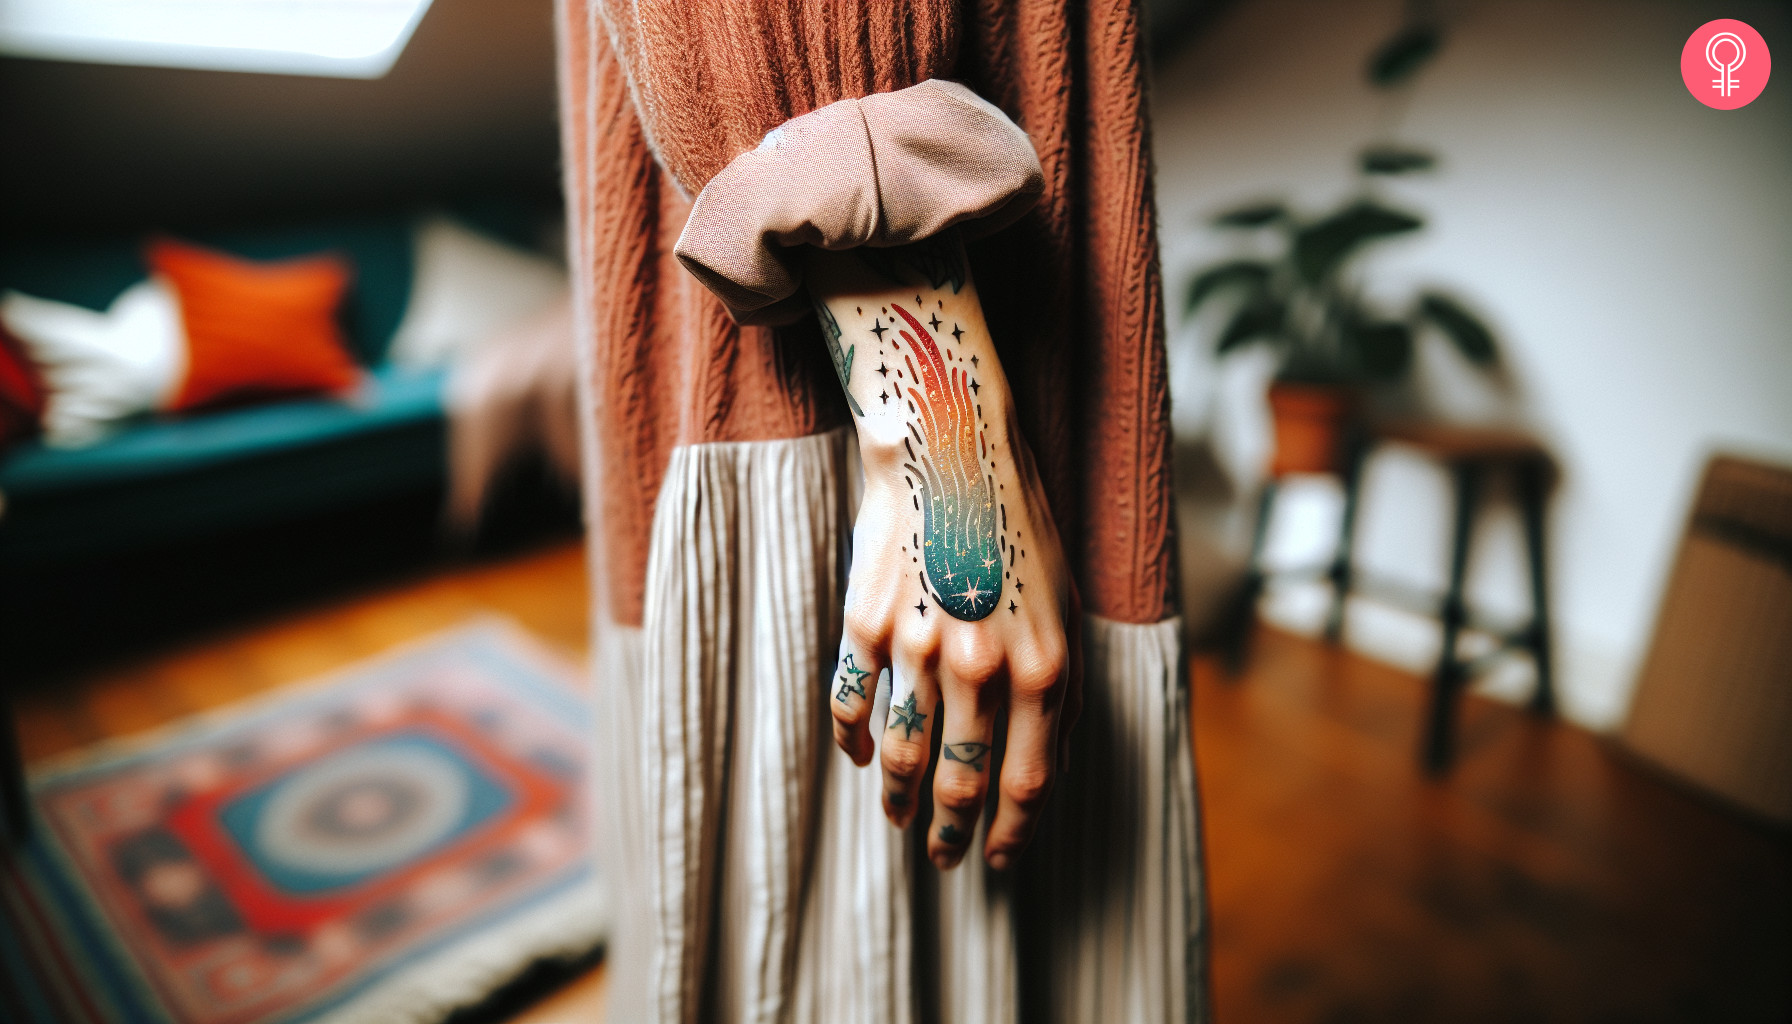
{"x": 175, "y": 479}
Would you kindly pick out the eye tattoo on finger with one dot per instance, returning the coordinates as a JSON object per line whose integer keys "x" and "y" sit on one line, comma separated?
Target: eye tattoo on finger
{"x": 905, "y": 717}
{"x": 953, "y": 835}
{"x": 966, "y": 753}
{"x": 852, "y": 679}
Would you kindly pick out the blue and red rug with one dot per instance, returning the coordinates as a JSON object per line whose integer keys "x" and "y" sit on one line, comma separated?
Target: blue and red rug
{"x": 387, "y": 846}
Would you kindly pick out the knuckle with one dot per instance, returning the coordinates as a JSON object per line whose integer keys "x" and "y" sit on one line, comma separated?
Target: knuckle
{"x": 1039, "y": 670}
{"x": 960, "y": 795}
{"x": 975, "y": 658}
{"x": 1028, "y": 787}
{"x": 904, "y": 760}
{"x": 865, "y": 629}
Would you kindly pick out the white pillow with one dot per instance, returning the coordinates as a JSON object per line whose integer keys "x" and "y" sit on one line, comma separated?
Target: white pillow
{"x": 467, "y": 287}
{"x": 100, "y": 368}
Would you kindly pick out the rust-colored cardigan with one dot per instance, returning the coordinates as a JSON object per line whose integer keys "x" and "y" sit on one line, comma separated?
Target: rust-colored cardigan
{"x": 1072, "y": 289}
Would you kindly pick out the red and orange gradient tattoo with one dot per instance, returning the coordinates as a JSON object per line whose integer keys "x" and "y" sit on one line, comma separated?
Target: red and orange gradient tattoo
{"x": 953, "y": 473}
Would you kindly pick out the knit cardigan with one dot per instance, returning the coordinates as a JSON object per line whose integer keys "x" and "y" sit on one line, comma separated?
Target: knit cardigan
{"x": 665, "y": 93}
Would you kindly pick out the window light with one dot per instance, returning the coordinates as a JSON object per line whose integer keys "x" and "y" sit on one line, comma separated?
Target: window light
{"x": 341, "y": 38}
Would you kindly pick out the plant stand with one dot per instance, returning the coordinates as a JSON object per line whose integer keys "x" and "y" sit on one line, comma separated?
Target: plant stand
{"x": 1471, "y": 454}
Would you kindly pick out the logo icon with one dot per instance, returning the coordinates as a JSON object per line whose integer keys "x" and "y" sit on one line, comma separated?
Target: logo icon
{"x": 1725, "y": 64}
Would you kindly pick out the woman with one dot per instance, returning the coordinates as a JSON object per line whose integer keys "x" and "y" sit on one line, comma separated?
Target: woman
{"x": 926, "y": 227}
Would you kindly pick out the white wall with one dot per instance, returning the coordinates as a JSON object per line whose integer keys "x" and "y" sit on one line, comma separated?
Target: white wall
{"x": 1632, "y": 248}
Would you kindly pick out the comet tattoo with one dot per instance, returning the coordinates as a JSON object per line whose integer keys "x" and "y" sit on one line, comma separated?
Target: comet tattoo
{"x": 958, "y": 505}
{"x": 922, "y": 367}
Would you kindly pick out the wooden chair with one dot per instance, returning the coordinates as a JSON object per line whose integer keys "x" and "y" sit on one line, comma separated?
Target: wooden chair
{"x": 1471, "y": 454}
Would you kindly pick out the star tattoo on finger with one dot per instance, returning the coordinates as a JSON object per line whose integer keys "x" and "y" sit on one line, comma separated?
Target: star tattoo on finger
{"x": 906, "y": 718}
{"x": 852, "y": 679}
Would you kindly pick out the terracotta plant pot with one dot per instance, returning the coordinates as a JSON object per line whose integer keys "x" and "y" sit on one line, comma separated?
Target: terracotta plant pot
{"x": 1311, "y": 421}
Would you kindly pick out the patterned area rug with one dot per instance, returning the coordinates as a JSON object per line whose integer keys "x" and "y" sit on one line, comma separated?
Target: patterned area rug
{"x": 387, "y": 845}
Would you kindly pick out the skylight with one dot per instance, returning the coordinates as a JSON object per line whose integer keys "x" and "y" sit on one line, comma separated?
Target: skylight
{"x": 341, "y": 38}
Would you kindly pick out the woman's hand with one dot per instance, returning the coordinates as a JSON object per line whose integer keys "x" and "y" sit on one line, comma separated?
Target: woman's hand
{"x": 958, "y": 582}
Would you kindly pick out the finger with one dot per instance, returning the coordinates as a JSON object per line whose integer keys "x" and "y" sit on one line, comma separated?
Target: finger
{"x": 908, "y": 738}
{"x": 851, "y": 691}
{"x": 1037, "y": 678}
{"x": 967, "y": 737}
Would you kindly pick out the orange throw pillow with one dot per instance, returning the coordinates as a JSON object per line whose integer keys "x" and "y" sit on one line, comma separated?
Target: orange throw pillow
{"x": 256, "y": 328}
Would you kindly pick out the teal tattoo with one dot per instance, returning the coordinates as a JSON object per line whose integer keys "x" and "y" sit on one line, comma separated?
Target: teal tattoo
{"x": 852, "y": 679}
{"x": 904, "y": 716}
{"x": 966, "y": 753}
{"x": 953, "y": 835}
{"x": 830, "y": 329}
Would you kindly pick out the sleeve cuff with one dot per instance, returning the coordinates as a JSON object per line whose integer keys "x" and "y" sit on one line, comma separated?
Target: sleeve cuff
{"x": 885, "y": 170}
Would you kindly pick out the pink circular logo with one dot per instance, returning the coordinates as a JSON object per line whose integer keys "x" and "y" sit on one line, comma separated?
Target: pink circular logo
{"x": 1725, "y": 64}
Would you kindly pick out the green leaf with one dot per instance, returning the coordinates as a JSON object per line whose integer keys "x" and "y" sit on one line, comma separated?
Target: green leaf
{"x": 1237, "y": 274}
{"x": 1263, "y": 318}
{"x": 1471, "y": 336}
{"x": 1255, "y": 215}
{"x": 1383, "y": 350}
{"x": 1402, "y": 56}
{"x": 1395, "y": 160}
{"x": 1322, "y": 247}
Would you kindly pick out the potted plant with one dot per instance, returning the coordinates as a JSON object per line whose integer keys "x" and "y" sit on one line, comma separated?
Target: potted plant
{"x": 1308, "y": 304}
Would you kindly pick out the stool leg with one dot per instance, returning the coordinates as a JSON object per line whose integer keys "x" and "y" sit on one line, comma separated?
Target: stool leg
{"x": 1447, "y": 681}
{"x": 1244, "y": 614}
{"x": 15, "y": 820}
{"x": 1341, "y": 573}
{"x": 1532, "y": 497}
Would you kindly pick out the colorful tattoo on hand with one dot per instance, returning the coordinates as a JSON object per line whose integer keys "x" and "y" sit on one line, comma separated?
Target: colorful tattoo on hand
{"x": 928, "y": 367}
{"x": 958, "y": 504}
{"x": 852, "y": 679}
{"x": 952, "y": 835}
{"x": 904, "y": 716}
{"x": 966, "y": 753}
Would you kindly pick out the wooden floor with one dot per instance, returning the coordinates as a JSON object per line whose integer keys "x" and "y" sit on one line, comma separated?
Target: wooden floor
{"x": 1547, "y": 880}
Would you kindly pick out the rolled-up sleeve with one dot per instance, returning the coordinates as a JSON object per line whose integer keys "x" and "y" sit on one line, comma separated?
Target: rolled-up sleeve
{"x": 884, "y": 170}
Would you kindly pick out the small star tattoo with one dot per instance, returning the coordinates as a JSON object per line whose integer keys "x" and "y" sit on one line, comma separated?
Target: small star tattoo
{"x": 1011, "y": 607}
{"x": 956, "y": 332}
{"x": 906, "y": 718}
{"x": 1018, "y": 585}
{"x": 935, "y": 322}
{"x": 852, "y": 679}
{"x": 921, "y": 606}
{"x": 918, "y": 302}
{"x": 882, "y": 370}
{"x": 885, "y": 397}
{"x": 976, "y": 387}
{"x": 879, "y": 330}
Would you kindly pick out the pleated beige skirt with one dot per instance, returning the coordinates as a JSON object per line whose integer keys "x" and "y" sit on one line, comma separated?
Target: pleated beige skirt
{"x": 752, "y": 874}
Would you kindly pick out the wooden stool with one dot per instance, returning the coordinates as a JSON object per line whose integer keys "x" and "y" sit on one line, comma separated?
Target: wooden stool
{"x": 1471, "y": 453}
